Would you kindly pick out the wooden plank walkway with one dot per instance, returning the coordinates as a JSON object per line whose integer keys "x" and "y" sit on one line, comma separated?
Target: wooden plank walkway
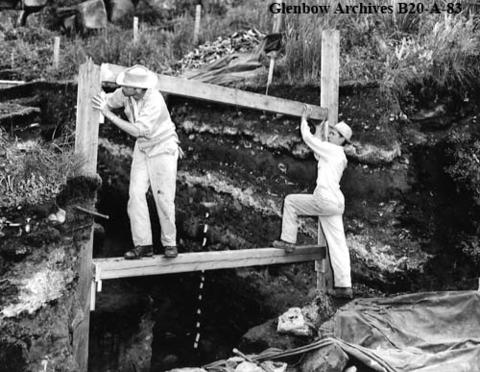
{"x": 220, "y": 94}
{"x": 118, "y": 267}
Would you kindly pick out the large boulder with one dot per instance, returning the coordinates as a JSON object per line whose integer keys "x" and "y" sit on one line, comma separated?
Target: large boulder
{"x": 119, "y": 9}
{"x": 92, "y": 14}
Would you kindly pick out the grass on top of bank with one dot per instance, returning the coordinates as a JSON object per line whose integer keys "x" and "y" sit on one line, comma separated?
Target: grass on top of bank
{"x": 437, "y": 50}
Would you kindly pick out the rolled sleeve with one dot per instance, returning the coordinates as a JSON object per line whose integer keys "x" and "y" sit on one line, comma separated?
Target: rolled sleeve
{"x": 147, "y": 119}
{"x": 115, "y": 99}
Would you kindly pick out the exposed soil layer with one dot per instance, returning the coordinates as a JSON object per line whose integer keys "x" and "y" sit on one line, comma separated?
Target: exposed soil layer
{"x": 402, "y": 213}
{"x": 39, "y": 304}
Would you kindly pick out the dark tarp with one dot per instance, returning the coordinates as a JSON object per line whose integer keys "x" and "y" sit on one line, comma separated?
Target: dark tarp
{"x": 422, "y": 332}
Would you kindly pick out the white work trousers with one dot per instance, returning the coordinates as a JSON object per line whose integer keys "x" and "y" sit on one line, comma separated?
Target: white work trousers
{"x": 159, "y": 172}
{"x": 330, "y": 218}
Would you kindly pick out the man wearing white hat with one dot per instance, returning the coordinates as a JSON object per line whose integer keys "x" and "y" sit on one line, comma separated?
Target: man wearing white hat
{"x": 327, "y": 201}
{"x": 154, "y": 156}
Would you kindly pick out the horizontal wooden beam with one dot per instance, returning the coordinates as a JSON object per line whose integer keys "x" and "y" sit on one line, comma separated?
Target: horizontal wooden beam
{"x": 118, "y": 267}
{"x": 219, "y": 94}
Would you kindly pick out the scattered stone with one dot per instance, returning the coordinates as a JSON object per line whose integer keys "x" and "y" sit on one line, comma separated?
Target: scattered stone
{"x": 61, "y": 215}
{"x": 248, "y": 367}
{"x": 293, "y": 321}
{"x": 327, "y": 359}
{"x": 57, "y": 218}
{"x": 275, "y": 366}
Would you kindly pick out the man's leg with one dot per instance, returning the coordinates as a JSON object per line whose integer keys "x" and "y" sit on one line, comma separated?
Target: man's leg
{"x": 163, "y": 177}
{"x": 332, "y": 227}
{"x": 302, "y": 205}
{"x": 137, "y": 207}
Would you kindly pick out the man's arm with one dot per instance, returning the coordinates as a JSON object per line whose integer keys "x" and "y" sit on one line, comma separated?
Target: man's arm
{"x": 100, "y": 103}
{"x": 149, "y": 116}
{"x": 321, "y": 148}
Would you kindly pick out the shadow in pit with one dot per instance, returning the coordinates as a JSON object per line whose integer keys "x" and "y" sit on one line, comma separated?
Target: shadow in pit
{"x": 151, "y": 322}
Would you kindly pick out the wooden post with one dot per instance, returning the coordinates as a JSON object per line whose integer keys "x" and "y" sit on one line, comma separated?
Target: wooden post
{"x": 330, "y": 70}
{"x": 329, "y": 89}
{"x": 277, "y": 24}
{"x": 86, "y": 146}
{"x": 56, "y": 51}
{"x": 135, "y": 29}
{"x": 196, "y": 30}
{"x": 86, "y": 133}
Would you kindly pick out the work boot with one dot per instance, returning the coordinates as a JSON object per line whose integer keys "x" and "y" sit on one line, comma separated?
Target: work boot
{"x": 342, "y": 292}
{"x": 138, "y": 252}
{"x": 288, "y": 247}
{"x": 171, "y": 251}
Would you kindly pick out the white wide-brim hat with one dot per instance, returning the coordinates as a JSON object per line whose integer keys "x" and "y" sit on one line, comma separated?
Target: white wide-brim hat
{"x": 344, "y": 129}
{"x": 137, "y": 76}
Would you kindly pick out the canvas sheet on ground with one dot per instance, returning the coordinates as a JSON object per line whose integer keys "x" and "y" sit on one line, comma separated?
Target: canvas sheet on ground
{"x": 422, "y": 332}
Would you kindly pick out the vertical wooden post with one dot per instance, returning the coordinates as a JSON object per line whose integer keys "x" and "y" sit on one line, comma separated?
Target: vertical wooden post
{"x": 196, "y": 30}
{"x": 86, "y": 132}
{"x": 135, "y": 29}
{"x": 277, "y": 24}
{"x": 277, "y": 20}
{"x": 329, "y": 90}
{"x": 56, "y": 51}
{"x": 86, "y": 146}
{"x": 330, "y": 73}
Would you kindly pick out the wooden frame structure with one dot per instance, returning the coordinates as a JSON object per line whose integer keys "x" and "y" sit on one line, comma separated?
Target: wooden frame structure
{"x": 86, "y": 146}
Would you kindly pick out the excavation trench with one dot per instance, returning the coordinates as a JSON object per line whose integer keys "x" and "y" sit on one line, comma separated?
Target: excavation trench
{"x": 242, "y": 163}
{"x": 159, "y": 314}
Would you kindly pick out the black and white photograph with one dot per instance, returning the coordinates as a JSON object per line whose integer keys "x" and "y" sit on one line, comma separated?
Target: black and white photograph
{"x": 240, "y": 186}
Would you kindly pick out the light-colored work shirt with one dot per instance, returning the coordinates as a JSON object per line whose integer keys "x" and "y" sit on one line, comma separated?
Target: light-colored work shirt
{"x": 331, "y": 164}
{"x": 150, "y": 115}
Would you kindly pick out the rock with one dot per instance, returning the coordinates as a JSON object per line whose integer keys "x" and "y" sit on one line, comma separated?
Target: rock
{"x": 248, "y": 367}
{"x": 120, "y": 8}
{"x": 293, "y": 321}
{"x": 93, "y": 14}
{"x": 57, "y": 218}
{"x": 370, "y": 154}
{"x": 61, "y": 215}
{"x": 275, "y": 366}
{"x": 265, "y": 335}
{"x": 327, "y": 359}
